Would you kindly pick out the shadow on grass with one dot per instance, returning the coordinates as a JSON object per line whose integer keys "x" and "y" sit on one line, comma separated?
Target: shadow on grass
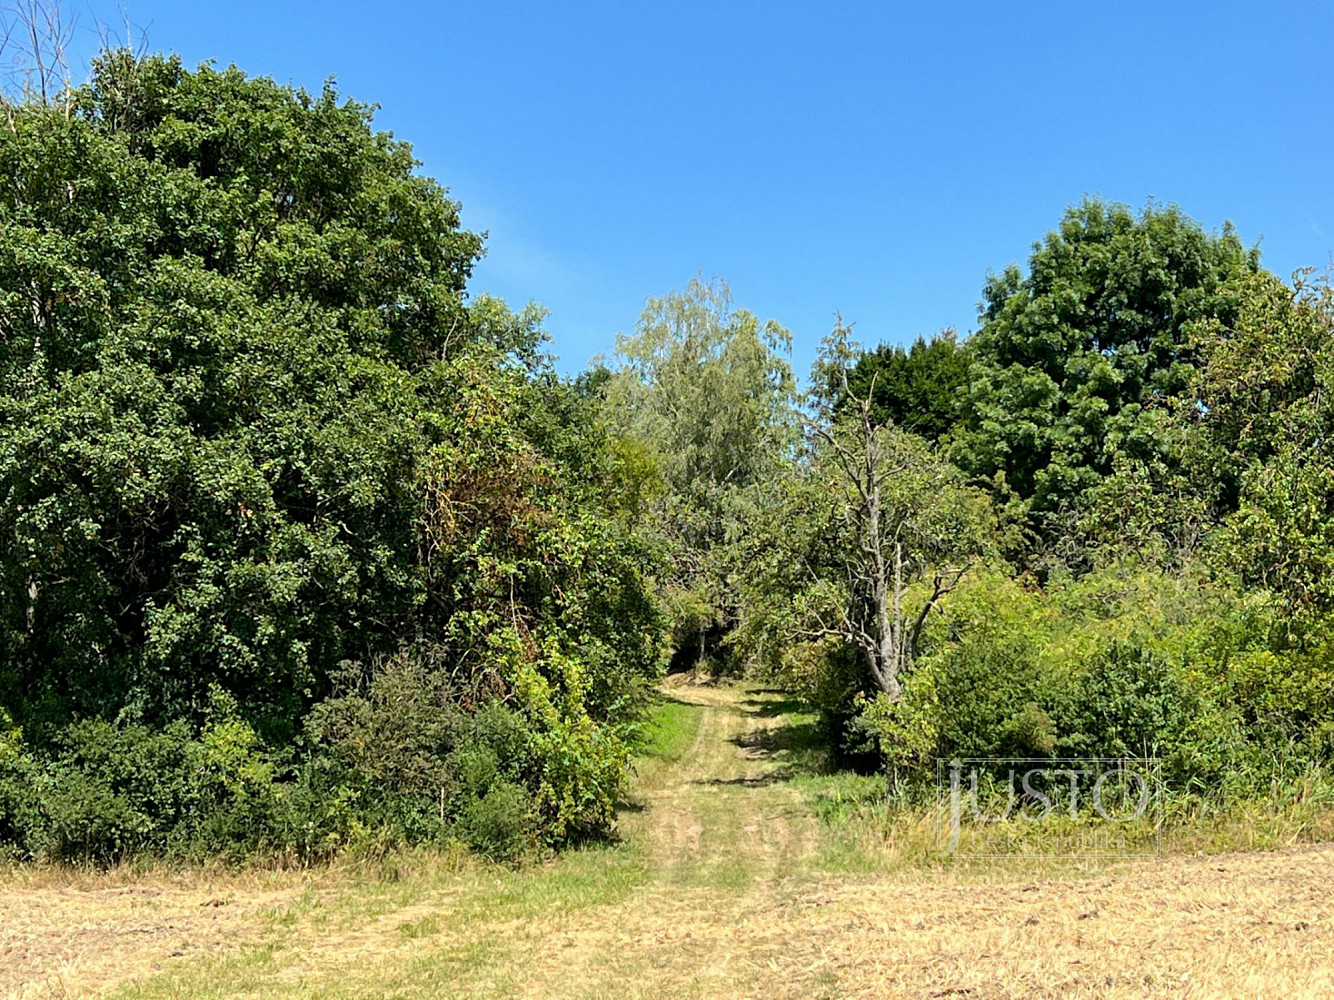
{"x": 783, "y": 774}
{"x": 769, "y": 708}
{"x": 799, "y": 748}
{"x": 660, "y": 696}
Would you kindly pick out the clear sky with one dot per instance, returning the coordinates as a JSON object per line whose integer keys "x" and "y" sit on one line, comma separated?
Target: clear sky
{"x": 876, "y": 159}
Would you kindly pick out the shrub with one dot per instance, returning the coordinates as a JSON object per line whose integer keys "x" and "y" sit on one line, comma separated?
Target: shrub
{"x": 1127, "y": 702}
{"x": 106, "y": 792}
{"x": 1118, "y": 663}
{"x": 499, "y": 821}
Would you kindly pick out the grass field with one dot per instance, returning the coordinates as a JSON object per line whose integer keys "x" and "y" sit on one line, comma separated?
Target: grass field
{"x": 743, "y": 871}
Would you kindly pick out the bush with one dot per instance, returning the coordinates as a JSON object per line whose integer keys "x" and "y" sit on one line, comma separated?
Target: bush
{"x": 400, "y": 735}
{"x": 498, "y": 822}
{"x": 985, "y": 676}
{"x": 105, "y": 792}
{"x": 1128, "y": 702}
{"x": 1120, "y": 663}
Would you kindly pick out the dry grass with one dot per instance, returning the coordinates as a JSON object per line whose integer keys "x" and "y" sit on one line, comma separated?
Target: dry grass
{"x": 68, "y": 932}
{"x": 75, "y": 934}
{"x": 1227, "y": 927}
{"x": 727, "y": 886}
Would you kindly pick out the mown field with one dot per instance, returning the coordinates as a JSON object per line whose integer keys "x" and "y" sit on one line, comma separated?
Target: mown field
{"x": 743, "y": 871}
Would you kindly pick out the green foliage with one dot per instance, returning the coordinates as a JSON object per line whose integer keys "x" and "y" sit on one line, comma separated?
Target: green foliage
{"x": 396, "y": 726}
{"x": 903, "y": 731}
{"x": 981, "y": 670}
{"x": 1077, "y": 361}
{"x": 401, "y": 735}
{"x": 705, "y": 403}
{"x": 302, "y": 549}
{"x": 705, "y": 387}
{"x": 1143, "y": 513}
{"x": 1264, "y": 394}
{"x": 1151, "y": 410}
{"x": 223, "y": 295}
{"x": 495, "y": 823}
{"x": 1128, "y": 702}
{"x": 845, "y": 555}
{"x": 1124, "y": 663}
{"x": 111, "y": 791}
{"x": 251, "y": 431}
{"x": 922, "y": 389}
{"x": 807, "y": 586}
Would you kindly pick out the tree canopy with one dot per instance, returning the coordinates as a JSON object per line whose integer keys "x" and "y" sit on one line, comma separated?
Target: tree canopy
{"x": 303, "y": 546}
{"x": 922, "y": 388}
{"x": 1078, "y": 361}
{"x": 256, "y": 442}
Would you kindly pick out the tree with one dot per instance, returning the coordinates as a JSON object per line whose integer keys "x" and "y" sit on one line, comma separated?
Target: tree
{"x": 849, "y": 551}
{"x": 1263, "y": 400}
{"x": 907, "y": 516}
{"x": 1077, "y": 362}
{"x": 35, "y": 36}
{"x": 703, "y": 392}
{"x": 705, "y": 386}
{"x": 220, "y": 298}
{"x": 254, "y": 430}
{"x": 922, "y": 389}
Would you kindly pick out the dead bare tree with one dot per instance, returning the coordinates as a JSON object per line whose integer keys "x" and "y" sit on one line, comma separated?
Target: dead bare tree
{"x": 35, "y": 66}
{"x": 910, "y": 517}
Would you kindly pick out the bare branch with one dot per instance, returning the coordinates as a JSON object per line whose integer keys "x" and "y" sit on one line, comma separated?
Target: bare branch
{"x": 35, "y": 37}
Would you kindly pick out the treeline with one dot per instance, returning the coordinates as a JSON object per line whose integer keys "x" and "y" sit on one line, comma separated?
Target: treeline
{"x": 303, "y": 549}
{"x": 1100, "y": 526}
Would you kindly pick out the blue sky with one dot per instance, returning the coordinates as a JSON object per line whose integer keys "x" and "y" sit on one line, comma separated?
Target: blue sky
{"x": 873, "y": 159}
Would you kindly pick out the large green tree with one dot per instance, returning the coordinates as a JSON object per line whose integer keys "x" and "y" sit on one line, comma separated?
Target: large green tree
{"x": 922, "y": 388}
{"x": 219, "y": 297}
{"x": 1078, "y": 361}
{"x": 704, "y": 394}
{"x": 706, "y": 387}
{"x": 252, "y": 428}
